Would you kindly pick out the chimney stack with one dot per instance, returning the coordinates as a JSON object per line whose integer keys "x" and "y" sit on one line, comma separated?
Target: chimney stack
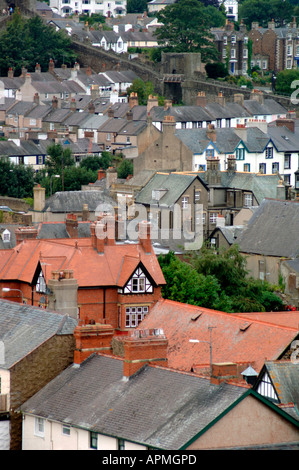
{"x": 36, "y": 98}
{"x": 211, "y": 133}
{"x": 139, "y": 348}
{"x": 64, "y": 290}
{"x": 201, "y": 99}
{"x": 37, "y": 68}
{"x": 151, "y": 102}
{"x": 289, "y": 123}
{"x": 51, "y": 66}
{"x": 133, "y": 100}
{"x": 90, "y": 339}
{"x": 145, "y": 236}
{"x": 223, "y": 372}
{"x": 10, "y": 72}
{"x": 71, "y": 224}
{"x": 220, "y": 99}
{"x": 25, "y": 233}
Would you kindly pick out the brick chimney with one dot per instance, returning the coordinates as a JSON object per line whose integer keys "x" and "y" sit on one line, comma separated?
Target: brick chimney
{"x": 231, "y": 163}
{"x": 201, "y": 99}
{"x": 145, "y": 241}
{"x": 71, "y": 224}
{"x": 85, "y": 213}
{"x": 25, "y": 233}
{"x": 73, "y": 105}
{"x": 37, "y": 68}
{"x": 220, "y": 99}
{"x": 39, "y": 198}
{"x": 54, "y": 102}
{"x": 101, "y": 174}
{"x": 133, "y": 100}
{"x": 151, "y": 102}
{"x": 211, "y": 133}
{"x": 139, "y": 348}
{"x": 289, "y": 123}
{"x": 90, "y": 339}
{"x": 51, "y": 66}
{"x": 88, "y": 71}
{"x": 36, "y": 98}
{"x": 10, "y": 73}
{"x": 223, "y": 372}
{"x": 103, "y": 233}
{"x": 239, "y": 98}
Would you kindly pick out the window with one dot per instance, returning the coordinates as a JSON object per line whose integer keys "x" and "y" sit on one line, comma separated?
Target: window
{"x": 247, "y": 167}
{"x": 247, "y": 199}
{"x": 135, "y": 315}
{"x": 245, "y": 53}
{"x": 213, "y": 217}
{"x": 262, "y": 168}
{"x": 39, "y": 427}
{"x": 41, "y": 283}
{"x": 287, "y": 179}
{"x": 287, "y": 161}
{"x": 225, "y": 40}
{"x": 245, "y": 40}
{"x": 233, "y": 39}
{"x": 185, "y": 202}
{"x": 289, "y": 64}
{"x": 108, "y": 136}
{"x": 138, "y": 283}
{"x": 121, "y": 444}
{"x": 289, "y": 50}
{"x": 269, "y": 152}
{"x": 93, "y": 440}
{"x": 264, "y": 64}
{"x": 196, "y": 196}
{"x": 224, "y": 53}
{"x": 240, "y": 154}
{"x": 32, "y": 122}
{"x": 275, "y": 167}
{"x": 233, "y": 53}
{"x": 66, "y": 430}
{"x": 210, "y": 152}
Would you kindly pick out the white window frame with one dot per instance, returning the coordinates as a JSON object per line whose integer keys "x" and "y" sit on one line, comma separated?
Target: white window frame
{"x": 135, "y": 315}
{"x": 248, "y": 199}
{"x": 39, "y": 427}
{"x": 66, "y": 430}
{"x": 41, "y": 285}
{"x": 138, "y": 284}
{"x": 185, "y": 202}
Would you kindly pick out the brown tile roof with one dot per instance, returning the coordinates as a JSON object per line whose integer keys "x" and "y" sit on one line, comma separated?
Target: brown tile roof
{"x": 235, "y": 338}
{"x": 113, "y": 268}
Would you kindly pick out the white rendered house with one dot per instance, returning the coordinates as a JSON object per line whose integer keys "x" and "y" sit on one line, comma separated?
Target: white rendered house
{"x": 111, "y": 8}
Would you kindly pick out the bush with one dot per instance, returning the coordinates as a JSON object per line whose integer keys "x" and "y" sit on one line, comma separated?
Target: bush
{"x": 216, "y": 70}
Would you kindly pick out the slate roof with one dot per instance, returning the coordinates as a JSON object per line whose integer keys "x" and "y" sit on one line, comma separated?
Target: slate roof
{"x": 73, "y": 201}
{"x": 235, "y": 338}
{"x": 19, "y": 336}
{"x": 285, "y": 380}
{"x": 197, "y": 140}
{"x": 52, "y": 230}
{"x": 180, "y": 113}
{"x": 230, "y": 232}
{"x": 175, "y": 185}
{"x": 272, "y": 230}
{"x": 94, "y": 396}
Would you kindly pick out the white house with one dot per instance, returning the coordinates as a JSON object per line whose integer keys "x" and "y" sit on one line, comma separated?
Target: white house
{"x": 108, "y": 8}
{"x": 231, "y": 9}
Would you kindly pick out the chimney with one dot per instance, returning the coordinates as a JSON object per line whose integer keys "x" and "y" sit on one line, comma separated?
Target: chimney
{"x": 133, "y": 100}
{"x": 201, "y": 99}
{"x": 101, "y": 174}
{"x": 51, "y": 66}
{"x": 220, "y": 99}
{"x": 145, "y": 241}
{"x": 54, "y": 102}
{"x": 239, "y": 99}
{"x": 169, "y": 126}
{"x": 281, "y": 191}
{"x": 10, "y": 73}
{"x": 88, "y": 71}
{"x": 110, "y": 113}
{"x": 85, "y": 213}
{"x": 111, "y": 177}
{"x": 36, "y": 98}
{"x": 129, "y": 115}
{"x": 37, "y": 68}
{"x": 151, "y": 102}
{"x": 94, "y": 91}
{"x": 39, "y": 196}
{"x": 103, "y": 233}
{"x": 71, "y": 224}
{"x": 63, "y": 293}
{"x": 254, "y": 25}
{"x": 231, "y": 163}
{"x": 289, "y": 123}
{"x": 91, "y": 338}
{"x": 24, "y": 72}
{"x": 167, "y": 104}
{"x": 211, "y": 133}
{"x": 139, "y": 348}
{"x": 241, "y": 132}
{"x": 212, "y": 174}
{"x": 91, "y": 108}
{"x": 73, "y": 105}
{"x": 223, "y": 372}
{"x": 25, "y": 233}
{"x": 271, "y": 24}
{"x": 257, "y": 95}
{"x": 220, "y": 221}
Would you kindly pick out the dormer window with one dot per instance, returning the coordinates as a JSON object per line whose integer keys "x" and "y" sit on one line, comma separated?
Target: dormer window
{"x": 138, "y": 283}
{"x": 41, "y": 283}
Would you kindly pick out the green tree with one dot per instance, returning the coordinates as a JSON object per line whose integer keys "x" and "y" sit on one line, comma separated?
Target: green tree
{"x": 96, "y": 162}
{"x": 263, "y": 11}
{"x": 16, "y": 180}
{"x": 57, "y": 160}
{"x": 21, "y": 45}
{"x": 185, "y": 28}
{"x": 136, "y": 6}
{"x": 284, "y": 81}
{"x": 143, "y": 90}
{"x": 124, "y": 169}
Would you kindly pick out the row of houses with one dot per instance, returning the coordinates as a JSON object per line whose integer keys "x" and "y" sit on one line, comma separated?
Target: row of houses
{"x": 114, "y": 334}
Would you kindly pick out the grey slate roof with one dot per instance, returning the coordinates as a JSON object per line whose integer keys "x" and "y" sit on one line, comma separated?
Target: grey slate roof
{"x": 23, "y": 328}
{"x": 273, "y": 230}
{"x": 174, "y": 184}
{"x": 58, "y": 230}
{"x": 230, "y": 232}
{"x": 197, "y": 139}
{"x": 73, "y": 201}
{"x": 157, "y": 407}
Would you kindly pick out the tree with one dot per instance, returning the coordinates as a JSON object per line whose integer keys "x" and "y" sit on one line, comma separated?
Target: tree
{"x": 57, "y": 160}
{"x": 124, "y": 169}
{"x": 185, "y": 28}
{"x": 143, "y": 90}
{"x": 263, "y": 11}
{"x": 94, "y": 163}
{"x": 136, "y": 6}
{"x": 21, "y": 45}
{"x": 216, "y": 70}
{"x": 16, "y": 180}
{"x": 284, "y": 81}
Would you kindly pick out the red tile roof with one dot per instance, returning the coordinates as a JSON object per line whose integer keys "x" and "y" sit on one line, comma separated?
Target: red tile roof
{"x": 235, "y": 338}
{"x": 112, "y": 268}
